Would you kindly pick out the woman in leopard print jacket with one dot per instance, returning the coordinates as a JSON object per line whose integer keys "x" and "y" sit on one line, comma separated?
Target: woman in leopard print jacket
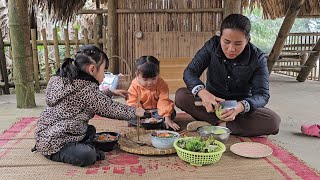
{"x": 73, "y": 98}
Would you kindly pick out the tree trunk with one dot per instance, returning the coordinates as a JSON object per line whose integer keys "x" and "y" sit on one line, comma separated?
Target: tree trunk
{"x": 310, "y": 63}
{"x": 21, "y": 54}
{"x": 113, "y": 35}
{"x": 283, "y": 32}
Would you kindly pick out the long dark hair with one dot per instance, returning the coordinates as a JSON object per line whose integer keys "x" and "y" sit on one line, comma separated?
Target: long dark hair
{"x": 88, "y": 54}
{"x": 237, "y": 21}
{"x": 147, "y": 66}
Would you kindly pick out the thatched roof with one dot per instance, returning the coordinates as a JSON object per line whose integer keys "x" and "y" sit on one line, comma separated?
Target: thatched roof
{"x": 60, "y": 10}
{"x": 63, "y": 10}
{"x": 273, "y": 9}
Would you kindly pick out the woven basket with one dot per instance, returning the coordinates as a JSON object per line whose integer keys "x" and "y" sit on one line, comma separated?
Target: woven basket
{"x": 198, "y": 158}
{"x": 125, "y": 79}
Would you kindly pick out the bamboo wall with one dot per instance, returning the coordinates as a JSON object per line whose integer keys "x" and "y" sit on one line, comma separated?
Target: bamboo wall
{"x": 301, "y": 45}
{"x": 170, "y": 28}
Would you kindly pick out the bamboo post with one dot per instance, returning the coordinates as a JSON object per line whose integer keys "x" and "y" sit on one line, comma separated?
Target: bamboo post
{"x": 283, "y": 32}
{"x": 113, "y": 34}
{"x": 231, "y": 7}
{"x": 104, "y": 40}
{"x": 66, "y": 39}
{"x": 86, "y": 38}
{"x": 21, "y": 53}
{"x": 35, "y": 59}
{"x": 76, "y": 38}
{"x": 96, "y": 36}
{"x": 56, "y": 48}
{"x": 99, "y": 22}
{"x": 3, "y": 64}
{"x": 46, "y": 54}
{"x": 310, "y": 63}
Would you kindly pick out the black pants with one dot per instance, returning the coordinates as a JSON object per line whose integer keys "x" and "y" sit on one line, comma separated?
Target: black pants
{"x": 81, "y": 153}
{"x": 262, "y": 121}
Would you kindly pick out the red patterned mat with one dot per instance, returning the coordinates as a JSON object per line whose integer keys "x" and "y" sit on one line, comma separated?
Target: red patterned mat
{"x": 17, "y": 161}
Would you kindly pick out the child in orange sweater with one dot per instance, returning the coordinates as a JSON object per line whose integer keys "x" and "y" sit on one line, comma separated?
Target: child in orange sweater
{"x": 153, "y": 91}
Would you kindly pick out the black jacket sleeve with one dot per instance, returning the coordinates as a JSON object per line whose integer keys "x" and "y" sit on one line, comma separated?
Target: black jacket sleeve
{"x": 198, "y": 64}
{"x": 260, "y": 85}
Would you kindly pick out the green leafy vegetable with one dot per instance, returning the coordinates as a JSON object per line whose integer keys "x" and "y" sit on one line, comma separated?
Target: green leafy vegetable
{"x": 198, "y": 144}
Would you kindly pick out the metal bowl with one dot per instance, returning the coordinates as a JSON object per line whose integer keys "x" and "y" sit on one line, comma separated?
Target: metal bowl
{"x": 218, "y": 132}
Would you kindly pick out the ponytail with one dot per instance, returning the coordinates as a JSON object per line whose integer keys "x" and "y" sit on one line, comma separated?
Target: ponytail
{"x": 68, "y": 69}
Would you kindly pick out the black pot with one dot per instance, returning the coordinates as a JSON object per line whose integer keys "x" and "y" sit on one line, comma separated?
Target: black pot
{"x": 106, "y": 145}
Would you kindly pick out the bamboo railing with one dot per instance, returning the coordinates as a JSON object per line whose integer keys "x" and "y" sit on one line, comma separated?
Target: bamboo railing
{"x": 296, "y": 51}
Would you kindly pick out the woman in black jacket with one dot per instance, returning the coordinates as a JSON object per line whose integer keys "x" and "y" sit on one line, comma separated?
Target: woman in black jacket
{"x": 236, "y": 70}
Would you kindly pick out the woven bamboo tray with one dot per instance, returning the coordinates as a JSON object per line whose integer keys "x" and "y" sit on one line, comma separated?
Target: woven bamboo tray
{"x": 128, "y": 143}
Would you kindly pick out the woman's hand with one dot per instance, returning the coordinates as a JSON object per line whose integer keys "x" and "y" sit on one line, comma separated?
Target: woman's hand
{"x": 169, "y": 123}
{"x": 230, "y": 114}
{"x": 209, "y": 100}
{"x": 120, "y": 92}
{"x": 140, "y": 112}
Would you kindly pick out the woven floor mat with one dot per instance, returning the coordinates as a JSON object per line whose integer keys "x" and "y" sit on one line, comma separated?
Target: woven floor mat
{"x": 17, "y": 161}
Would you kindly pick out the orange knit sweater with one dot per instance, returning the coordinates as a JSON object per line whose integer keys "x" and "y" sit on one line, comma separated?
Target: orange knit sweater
{"x": 156, "y": 97}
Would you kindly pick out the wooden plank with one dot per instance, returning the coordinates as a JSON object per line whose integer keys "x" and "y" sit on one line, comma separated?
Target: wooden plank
{"x": 35, "y": 60}
{"x": 62, "y": 42}
{"x": 304, "y": 34}
{"x": 96, "y": 36}
{"x": 85, "y": 36}
{"x": 76, "y": 38}
{"x": 142, "y": 11}
{"x": 66, "y": 38}
{"x": 104, "y": 40}
{"x": 3, "y": 64}
{"x": 46, "y": 54}
{"x": 56, "y": 48}
{"x": 286, "y": 69}
{"x": 290, "y": 60}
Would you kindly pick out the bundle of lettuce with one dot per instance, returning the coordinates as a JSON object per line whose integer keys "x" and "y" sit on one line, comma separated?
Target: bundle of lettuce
{"x": 198, "y": 144}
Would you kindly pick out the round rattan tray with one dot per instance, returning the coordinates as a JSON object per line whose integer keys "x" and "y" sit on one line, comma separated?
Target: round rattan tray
{"x": 128, "y": 143}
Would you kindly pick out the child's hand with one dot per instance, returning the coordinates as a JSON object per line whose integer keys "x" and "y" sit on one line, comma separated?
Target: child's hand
{"x": 120, "y": 92}
{"x": 169, "y": 123}
{"x": 140, "y": 112}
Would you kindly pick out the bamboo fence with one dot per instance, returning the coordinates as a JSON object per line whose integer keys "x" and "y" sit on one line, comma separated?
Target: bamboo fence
{"x": 54, "y": 46}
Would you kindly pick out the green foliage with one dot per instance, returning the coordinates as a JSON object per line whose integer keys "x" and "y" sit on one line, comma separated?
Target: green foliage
{"x": 264, "y": 31}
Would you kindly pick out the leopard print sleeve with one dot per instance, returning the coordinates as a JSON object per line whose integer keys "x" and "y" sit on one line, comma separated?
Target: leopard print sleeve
{"x": 101, "y": 104}
{"x": 107, "y": 92}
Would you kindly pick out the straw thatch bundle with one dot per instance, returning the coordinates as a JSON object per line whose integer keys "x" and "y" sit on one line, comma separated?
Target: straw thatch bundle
{"x": 277, "y": 8}
{"x": 60, "y": 10}
{"x": 64, "y": 10}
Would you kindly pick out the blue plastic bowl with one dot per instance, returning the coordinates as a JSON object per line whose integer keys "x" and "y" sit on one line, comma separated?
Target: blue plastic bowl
{"x": 163, "y": 142}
